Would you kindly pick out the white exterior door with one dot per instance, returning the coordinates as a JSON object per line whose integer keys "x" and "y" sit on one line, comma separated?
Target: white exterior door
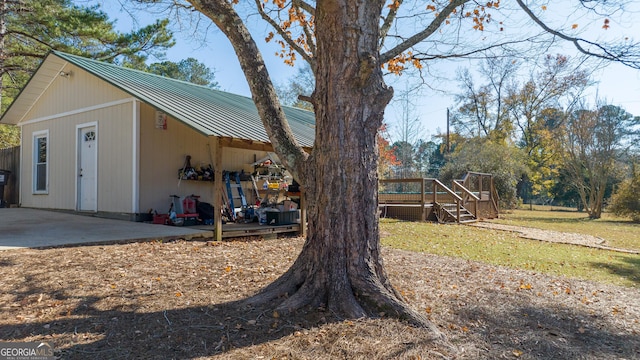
{"x": 87, "y": 168}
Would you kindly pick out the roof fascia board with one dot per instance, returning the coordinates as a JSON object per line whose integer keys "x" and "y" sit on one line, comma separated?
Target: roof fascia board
{"x": 27, "y": 84}
{"x": 35, "y": 101}
{"x": 245, "y": 144}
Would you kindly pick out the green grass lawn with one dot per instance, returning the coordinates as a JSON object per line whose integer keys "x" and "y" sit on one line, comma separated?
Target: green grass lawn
{"x": 618, "y": 232}
{"x": 507, "y": 249}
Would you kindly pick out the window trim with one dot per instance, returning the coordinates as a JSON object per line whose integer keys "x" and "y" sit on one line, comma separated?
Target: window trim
{"x": 35, "y": 136}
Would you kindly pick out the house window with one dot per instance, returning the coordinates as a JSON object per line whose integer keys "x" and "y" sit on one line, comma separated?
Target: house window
{"x": 40, "y": 162}
{"x": 90, "y": 136}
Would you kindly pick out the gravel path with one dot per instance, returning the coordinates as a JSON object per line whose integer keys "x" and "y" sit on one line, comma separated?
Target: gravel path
{"x": 555, "y": 236}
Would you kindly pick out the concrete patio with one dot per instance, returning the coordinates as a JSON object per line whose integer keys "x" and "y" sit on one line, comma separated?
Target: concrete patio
{"x": 30, "y": 228}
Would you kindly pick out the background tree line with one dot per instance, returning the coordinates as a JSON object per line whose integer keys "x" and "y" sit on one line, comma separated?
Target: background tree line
{"x": 537, "y": 134}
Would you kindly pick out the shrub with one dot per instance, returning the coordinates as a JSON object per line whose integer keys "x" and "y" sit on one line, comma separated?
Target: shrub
{"x": 626, "y": 201}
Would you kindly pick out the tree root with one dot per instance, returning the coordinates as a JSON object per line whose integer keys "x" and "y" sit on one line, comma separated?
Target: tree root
{"x": 298, "y": 290}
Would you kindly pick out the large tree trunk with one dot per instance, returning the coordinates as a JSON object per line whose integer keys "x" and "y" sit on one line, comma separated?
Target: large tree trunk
{"x": 340, "y": 267}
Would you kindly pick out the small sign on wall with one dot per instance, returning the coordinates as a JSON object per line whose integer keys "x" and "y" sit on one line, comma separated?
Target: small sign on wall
{"x": 161, "y": 120}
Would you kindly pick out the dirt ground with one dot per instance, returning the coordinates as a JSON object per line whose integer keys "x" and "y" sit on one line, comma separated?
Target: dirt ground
{"x": 180, "y": 300}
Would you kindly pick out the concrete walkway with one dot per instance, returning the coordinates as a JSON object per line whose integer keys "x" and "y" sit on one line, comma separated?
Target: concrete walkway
{"x": 30, "y": 228}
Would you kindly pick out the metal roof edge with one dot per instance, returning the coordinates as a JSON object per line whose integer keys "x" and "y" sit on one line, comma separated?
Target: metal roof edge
{"x": 297, "y": 114}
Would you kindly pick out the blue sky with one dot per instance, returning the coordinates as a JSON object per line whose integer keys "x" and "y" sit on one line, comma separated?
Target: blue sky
{"x": 617, "y": 84}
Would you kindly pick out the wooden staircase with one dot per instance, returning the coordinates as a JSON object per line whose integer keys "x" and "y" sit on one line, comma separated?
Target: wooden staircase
{"x": 450, "y": 213}
{"x": 469, "y": 199}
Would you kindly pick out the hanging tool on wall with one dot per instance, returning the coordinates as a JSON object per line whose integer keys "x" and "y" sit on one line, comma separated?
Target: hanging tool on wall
{"x": 184, "y": 172}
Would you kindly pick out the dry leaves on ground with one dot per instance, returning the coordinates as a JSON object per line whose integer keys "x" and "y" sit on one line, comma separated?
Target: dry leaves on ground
{"x": 180, "y": 300}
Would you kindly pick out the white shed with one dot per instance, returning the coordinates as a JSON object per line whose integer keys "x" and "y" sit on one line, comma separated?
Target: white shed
{"x": 108, "y": 140}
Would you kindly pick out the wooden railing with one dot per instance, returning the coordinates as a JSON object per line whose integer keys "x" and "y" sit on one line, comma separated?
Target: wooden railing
{"x": 467, "y": 198}
{"x": 420, "y": 199}
{"x": 487, "y": 198}
{"x": 475, "y": 193}
{"x": 457, "y": 199}
{"x": 431, "y": 191}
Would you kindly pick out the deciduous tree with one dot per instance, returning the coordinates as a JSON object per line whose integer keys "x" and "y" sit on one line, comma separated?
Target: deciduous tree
{"x": 590, "y": 143}
{"x": 298, "y": 89}
{"x": 348, "y": 43}
{"x": 387, "y": 156}
{"x": 504, "y": 161}
{"x": 481, "y": 109}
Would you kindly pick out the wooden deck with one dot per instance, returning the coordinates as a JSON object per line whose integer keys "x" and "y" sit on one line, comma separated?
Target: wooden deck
{"x": 232, "y": 230}
{"x": 424, "y": 199}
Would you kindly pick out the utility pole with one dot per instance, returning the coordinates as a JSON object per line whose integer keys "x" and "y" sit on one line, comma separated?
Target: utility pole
{"x": 448, "y": 143}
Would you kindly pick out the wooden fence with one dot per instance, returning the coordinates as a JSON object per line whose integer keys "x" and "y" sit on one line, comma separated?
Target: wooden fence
{"x": 10, "y": 161}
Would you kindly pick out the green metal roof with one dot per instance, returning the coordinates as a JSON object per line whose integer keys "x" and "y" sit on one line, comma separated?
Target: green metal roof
{"x": 211, "y": 112}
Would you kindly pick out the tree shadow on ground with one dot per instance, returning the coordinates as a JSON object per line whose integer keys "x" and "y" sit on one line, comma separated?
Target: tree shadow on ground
{"x": 92, "y": 330}
{"x": 521, "y": 329}
{"x": 110, "y": 321}
{"x": 6, "y": 262}
{"x": 630, "y": 270}
{"x": 87, "y": 332}
{"x": 529, "y": 332}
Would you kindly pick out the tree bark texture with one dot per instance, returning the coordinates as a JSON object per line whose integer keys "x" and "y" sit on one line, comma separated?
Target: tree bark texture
{"x": 340, "y": 267}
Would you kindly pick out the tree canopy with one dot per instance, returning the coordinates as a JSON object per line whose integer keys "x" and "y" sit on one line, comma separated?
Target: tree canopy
{"x": 190, "y": 70}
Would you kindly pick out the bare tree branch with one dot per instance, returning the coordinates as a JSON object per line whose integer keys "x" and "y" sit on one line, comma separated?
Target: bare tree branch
{"x": 388, "y": 20}
{"x": 415, "y": 39}
{"x": 305, "y": 6}
{"x": 424, "y": 56}
{"x": 621, "y": 55}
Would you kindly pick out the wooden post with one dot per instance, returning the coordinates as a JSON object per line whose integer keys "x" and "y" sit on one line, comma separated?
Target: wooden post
{"x": 217, "y": 190}
{"x": 480, "y": 181}
{"x": 475, "y": 208}
{"x": 422, "y": 201}
{"x": 435, "y": 191}
{"x": 493, "y": 200}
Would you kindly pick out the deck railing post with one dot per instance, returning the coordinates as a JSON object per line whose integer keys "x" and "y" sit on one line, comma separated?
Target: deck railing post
{"x": 434, "y": 189}
{"x": 475, "y": 208}
{"x": 423, "y": 200}
{"x": 218, "y": 190}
